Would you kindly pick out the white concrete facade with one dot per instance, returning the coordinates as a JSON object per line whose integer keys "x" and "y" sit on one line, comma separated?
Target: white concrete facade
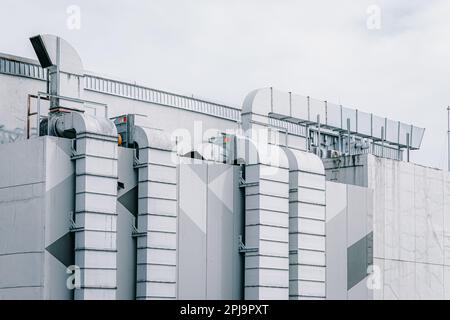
{"x": 411, "y": 210}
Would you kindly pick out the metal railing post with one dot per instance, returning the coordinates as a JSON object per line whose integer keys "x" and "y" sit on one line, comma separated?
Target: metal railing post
{"x": 271, "y": 99}
{"x": 38, "y": 109}
{"x": 348, "y": 136}
{"x": 408, "y": 146}
{"x": 318, "y": 135}
{"x": 448, "y": 136}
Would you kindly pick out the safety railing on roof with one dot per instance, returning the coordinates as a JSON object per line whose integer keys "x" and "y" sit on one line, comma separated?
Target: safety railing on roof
{"x": 24, "y": 69}
{"x": 145, "y": 94}
{"x": 299, "y": 111}
{"x": 41, "y": 114}
{"x": 290, "y": 127}
{"x": 127, "y": 90}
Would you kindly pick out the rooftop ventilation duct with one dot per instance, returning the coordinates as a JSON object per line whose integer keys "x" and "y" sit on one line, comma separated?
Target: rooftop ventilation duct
{"x": 64, "y": 67}
{"x": 95, "y": 223}
{"x": 41, "y": 51}
{"x": 157, "y": 216}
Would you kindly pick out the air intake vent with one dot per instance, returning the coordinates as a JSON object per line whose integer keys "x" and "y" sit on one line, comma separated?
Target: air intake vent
{"x": 41, "y": 51}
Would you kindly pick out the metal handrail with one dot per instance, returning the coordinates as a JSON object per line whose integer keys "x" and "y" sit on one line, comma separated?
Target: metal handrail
{"x": 70, "y": 99}
{"x": 146, "y": 94}
{"x": 44, "y": 95}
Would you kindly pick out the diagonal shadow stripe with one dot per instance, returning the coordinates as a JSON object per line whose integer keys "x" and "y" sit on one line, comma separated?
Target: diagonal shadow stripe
{"x": 130, "y": 200}
{"x": 200, "y": 171}
{"x": 62, "y": 249}
{"x": 359, "y": 257}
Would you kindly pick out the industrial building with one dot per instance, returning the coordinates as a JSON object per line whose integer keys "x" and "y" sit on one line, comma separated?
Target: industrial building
{"x": 113, "y": 190}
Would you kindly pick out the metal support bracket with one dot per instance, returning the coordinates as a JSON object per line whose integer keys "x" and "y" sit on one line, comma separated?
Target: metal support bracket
{"x": 137, "y": 164}
{"x": 136, "y": 233}
{"x": 76, "y": 156}
{"x": 73, "y": 226}
{"x": 244, "y": 184}
{"x": 243, "y": 248}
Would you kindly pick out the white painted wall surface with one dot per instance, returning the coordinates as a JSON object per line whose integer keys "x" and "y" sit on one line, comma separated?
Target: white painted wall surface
{"x": 411, "y": 229}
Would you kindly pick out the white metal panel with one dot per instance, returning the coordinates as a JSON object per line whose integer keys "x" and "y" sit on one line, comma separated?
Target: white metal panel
{"x": 22, "y": 270}
{"x": 336, "y": 249}
{"x": 221, "y": 238}
{"x": 192, "y": 232}
{"x": 357, "y": 208}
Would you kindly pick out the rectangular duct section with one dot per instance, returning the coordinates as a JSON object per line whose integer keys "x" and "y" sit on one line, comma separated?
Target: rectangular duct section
{"x": 306, "y": 226}
{"x": 157, "y": 217}
{"x": 266, "y": 232}
{"x": 96, "y": 215}
{"x": 95, "y": 153}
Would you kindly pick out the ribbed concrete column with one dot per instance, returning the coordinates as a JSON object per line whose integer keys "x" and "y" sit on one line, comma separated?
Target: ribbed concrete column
{"x": 306, "y": 226}
{"x": 157, "y": 216}
{"x": 95, "y": 204}
{"x": 266, "y": 229}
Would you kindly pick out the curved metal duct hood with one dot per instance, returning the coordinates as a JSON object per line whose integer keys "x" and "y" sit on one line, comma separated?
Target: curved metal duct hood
{"x": 64, "y": 67}
{"x": 52, "y": 50}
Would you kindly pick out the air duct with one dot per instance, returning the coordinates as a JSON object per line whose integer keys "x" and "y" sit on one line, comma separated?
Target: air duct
{"x": 95, "y": 223}
{"x": 285, "y": 210}
{"x": 306, "y": 225}
{"x": 157, "y": 216}
{"x": 64, "y": 68}
{"x": 266, "y": 206}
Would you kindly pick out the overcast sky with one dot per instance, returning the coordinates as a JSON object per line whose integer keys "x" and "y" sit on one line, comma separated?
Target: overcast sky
{"x": 221, "y": 50}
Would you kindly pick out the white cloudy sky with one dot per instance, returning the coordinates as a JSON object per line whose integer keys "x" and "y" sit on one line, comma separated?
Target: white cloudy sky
{"x": 222, "y": 49}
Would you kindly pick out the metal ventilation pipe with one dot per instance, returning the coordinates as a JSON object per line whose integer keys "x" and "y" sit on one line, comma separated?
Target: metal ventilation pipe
{"x": 307, "y": 203}
{"x": 95, "y": 157}
{"x": 157, "y": 216}
{"x": 266, "y": 185}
